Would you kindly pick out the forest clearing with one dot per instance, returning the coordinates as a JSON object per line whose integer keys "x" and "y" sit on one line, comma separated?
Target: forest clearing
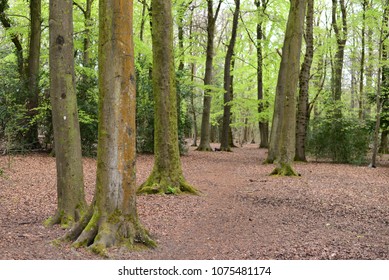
{"x": 332, "y": 211}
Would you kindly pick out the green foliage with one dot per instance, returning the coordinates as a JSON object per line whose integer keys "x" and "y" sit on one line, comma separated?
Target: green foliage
{"x": 14, "y": 122}
{"x": 342, "y": 139}
{"x": 144, "y": 109}
{"x": 87, "y": 102}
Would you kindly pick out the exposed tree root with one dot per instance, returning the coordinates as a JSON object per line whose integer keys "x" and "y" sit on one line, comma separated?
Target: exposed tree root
{"x": 98, "y": 231}
{"x": 157, "y": 184}
{"x": 284, "y": 169}
{"x": 64, "y": 219}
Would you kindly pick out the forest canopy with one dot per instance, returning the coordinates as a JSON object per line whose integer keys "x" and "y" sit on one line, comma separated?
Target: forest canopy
{"x": 346, "y": 81}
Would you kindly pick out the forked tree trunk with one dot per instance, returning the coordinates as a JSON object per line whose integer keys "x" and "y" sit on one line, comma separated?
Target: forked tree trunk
{"x": 283, "y": 134}
{"x": 167, "y": 175}
{"x": 112, "y": 218}
{"x": 70, "y": 185}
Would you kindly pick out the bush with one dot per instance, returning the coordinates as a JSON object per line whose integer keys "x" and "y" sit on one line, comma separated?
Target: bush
{"x": 343, "y": 140}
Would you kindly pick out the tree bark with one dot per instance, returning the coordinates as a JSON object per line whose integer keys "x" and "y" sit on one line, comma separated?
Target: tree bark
{"x": 381, "y": 77}
{"x": 33, "y": 70}
{"x": 341, "y": 38}
{"x": 224, "y": 141}
{"x": 283, "y": 133}
{"x": 303, "y": 99}
{"x": 167, "y": 175}
{"x": 112, "y": 218}
{"x": 70, "y": 186}
{"x": 263, "y": 124}
{"x": 205, "y": 121}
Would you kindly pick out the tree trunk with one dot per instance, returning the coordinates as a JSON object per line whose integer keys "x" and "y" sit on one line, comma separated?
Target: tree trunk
{"x": 384, "y": 142}
{"x": 263, "y": 124}
{"x": 88, "y": 26}
{"x": 193, "y": 108}
{"x": 225, "y": 144}
{"x": 283, "y": 134}
{"x": 381, "y": 77}
{"x": 70, "y": 186}
{"x": 33, "y": 70}
{"x": 303, "y": 99}
{"x": 167, "y": 175}
{"x": 112, "y": 218}
{"x": 362, "y": 64}
{"x": 341, "y": 38}
{"x": 205, "y": 121}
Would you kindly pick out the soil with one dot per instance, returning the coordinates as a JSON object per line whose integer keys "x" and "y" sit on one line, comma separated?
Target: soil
{"x": 331, "y": 211}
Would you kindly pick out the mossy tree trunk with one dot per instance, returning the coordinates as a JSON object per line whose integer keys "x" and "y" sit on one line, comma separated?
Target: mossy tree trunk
{"x": 167, "y": 175}
{"x": 70, "y": 185}
{"x": 228, "y": 80}
{"x": 283, "y": 134}
{"x": 206, "y": 116}
{"x": 303, "y": 98}
{"x": 112, "y": 218}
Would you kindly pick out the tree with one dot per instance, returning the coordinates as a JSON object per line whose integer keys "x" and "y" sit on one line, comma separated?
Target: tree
{"x": 70, "y": 185}
{"x": 112, "y": 218}
{"x": 340, "y": 29}
{"x": 283, "y": 132}
{"x": 225, "y": 137}
{"x": 167, "y": 175}
{"x": 87, "y": 12}
{"x": 205, "y": 121}
{"x": 303, "y": 99}
{"x": 33, "y": 68}
{"x": 263, "y": 125}
{"x": 6, "y": 22}
{"x": 382, "y": 83}
{"x": 28, "y": 72}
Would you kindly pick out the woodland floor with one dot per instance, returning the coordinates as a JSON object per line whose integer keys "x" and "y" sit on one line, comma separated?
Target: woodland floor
{"x": 332, "y": 211}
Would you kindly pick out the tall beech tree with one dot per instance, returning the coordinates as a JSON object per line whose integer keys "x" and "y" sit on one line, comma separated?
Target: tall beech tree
{"x": 226, "y": 135}
{"x": 205, "y": 121}
{"x": 283, "y": 132}
{"x": 382, "y": 76}
{"x": 70, "y": 185}
{"x": 167, "y": 175}
{"x": 33, "y": 66}
{"x": 303, "y": 98}
{"x": 112, "y": 218}
{"x": 340, "y": 28}
{"x": 263, "y": 125}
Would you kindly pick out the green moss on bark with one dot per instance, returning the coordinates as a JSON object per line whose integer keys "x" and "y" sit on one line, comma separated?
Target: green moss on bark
{"x": 159, "y": 184}
{"x": 284, "y": 170}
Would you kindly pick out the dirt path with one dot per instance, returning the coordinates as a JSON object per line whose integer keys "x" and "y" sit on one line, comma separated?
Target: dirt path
{"x": 330, "y": 212}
